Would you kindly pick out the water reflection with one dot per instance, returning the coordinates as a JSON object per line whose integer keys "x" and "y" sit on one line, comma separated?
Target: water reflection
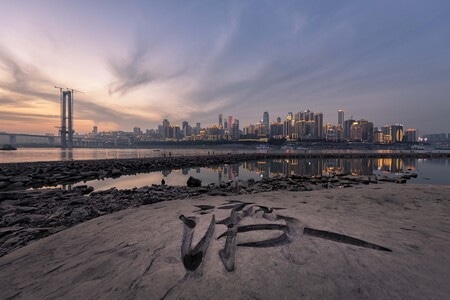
{"x": 314, "y": 167}
{"x": 434, "y": 173}
{"x": 66, "y": 154}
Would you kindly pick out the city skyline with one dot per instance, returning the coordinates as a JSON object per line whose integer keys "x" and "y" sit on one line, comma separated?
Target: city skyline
{"x": 140, "y": 62}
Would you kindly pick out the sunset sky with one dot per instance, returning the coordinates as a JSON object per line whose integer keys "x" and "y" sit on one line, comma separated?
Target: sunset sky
{"x": 138, "y": 62}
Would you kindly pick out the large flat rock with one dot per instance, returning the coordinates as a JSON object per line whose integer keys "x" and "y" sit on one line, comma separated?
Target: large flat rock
{"x": 136, "y": 253}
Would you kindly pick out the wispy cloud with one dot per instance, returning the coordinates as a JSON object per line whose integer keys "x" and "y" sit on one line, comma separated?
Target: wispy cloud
{"x": 131, "y": 72}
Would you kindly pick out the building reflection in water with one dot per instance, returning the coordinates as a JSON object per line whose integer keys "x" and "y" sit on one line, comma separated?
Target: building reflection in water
{"x": 301, "y": 167}
{"x": 394, "y": 165}
{"x": 315, "y": 167}
{"x": 66, "y": 154}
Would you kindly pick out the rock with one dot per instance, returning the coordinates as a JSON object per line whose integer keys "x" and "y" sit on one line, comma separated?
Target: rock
{"x": 16, "y": 185}
{"x": 7, "y": 230}
{"x": 193, "y": 182}
{"x": 79, "y": 214}
{"x": 203, "y": 190}
{"x": 84, "y": 189}
{"x": 116, "y": 173}
{"x": 20, "y": 179}
{"x": 25, "y": 209}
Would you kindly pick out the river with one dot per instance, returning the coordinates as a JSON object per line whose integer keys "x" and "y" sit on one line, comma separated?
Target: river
{"x": 430, "y": 171}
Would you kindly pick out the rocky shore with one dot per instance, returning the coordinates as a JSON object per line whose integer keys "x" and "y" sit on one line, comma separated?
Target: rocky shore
{"x": 21, "y": 176}
{"x": 27, "y": 215}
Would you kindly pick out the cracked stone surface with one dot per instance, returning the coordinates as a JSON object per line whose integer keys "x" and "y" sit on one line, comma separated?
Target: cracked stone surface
{"x": 137, "y": 253}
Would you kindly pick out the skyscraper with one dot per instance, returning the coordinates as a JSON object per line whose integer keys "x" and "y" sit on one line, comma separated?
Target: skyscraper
{"x": 318, "y": 130}
{"x": 230, "y": 123}
{"x": 347, "y": 126}
{"x": 265, "y": 122}
{"x": 185, "y": 128}
{"x": 137, "y": 131}
{"x": 397, "y": 133}
{"x": 411, "y": 135}
{"x": 341, "y": 117}
{"x": 220, "y": 121}
{"x": 165, "y": 128}
{"x": 235, "y": 130}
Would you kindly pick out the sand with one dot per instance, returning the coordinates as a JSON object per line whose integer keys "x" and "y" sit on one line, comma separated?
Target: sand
{"x": 136, "y": 253}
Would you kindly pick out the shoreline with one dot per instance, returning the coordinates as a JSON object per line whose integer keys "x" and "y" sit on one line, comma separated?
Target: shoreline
{"x": 20, "y": 176}
{"x": 27, "y": 215}
{"x": 135, "y": 253}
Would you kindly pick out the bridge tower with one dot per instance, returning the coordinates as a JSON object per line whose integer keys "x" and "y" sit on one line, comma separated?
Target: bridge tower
{"x": 66, "y": 128}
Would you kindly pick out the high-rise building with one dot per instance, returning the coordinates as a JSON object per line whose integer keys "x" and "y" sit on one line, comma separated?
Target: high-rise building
{"x": 366, "y": 130}
{"x": 378, "y": 136}
{"x": 265, "y": 122}
{"x": 318, "y": 130}
{"x": 387, "y": 135}
{"x": 220, "y": 121}
{"x": 137, "y": 131}
{"x": 307, "y": 115}
{"x": 185, "y": 129}
{"x": 235, "y": 130}
{"x": 386, "y": 130}
{"x": 174, "y": 132}
{"x": 276, "y": 130}
{"x": 347, "y": 126}
{"x": 356, "y": 132}
{"x": 397, "y": 133}
{"x": 230, "y": 123}
{"x": 165, "y": 129}
{"x": 341, "y": 118}
{"x": 287, "y": 128}
{"x": 411, "y": 135}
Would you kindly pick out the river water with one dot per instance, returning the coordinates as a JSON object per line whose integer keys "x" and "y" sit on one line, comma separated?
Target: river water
{"x": 430, "y": 171}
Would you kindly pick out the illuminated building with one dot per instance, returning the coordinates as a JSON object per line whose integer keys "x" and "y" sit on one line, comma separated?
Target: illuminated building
{"x": 378, "y": 136}
{"x": 341, "y": 118}
{"x": 411, "y": 135}
{"x": 397, "y": 133}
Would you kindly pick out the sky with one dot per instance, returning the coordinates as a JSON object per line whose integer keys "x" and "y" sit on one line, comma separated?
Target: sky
{"x": 139, "y": 62}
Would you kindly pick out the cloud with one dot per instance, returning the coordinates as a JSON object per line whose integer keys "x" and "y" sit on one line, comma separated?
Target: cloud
{"x": 130, "y": 73}
{"x": 28, "y": 117}
{"x": 7, "y": 101}
{"x": 12, "y": 66}
{"x": 26, "y": 81}
{"x": 105, "y": 114}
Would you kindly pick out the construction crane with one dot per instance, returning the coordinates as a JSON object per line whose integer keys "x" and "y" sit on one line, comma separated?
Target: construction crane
{"x": 68, "y": 89}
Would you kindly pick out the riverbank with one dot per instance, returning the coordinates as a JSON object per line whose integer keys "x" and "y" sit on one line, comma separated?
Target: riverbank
{"x": 322, "y": 247}
{"x": 28, "y": 215}
{"x": 21, "y": 176}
